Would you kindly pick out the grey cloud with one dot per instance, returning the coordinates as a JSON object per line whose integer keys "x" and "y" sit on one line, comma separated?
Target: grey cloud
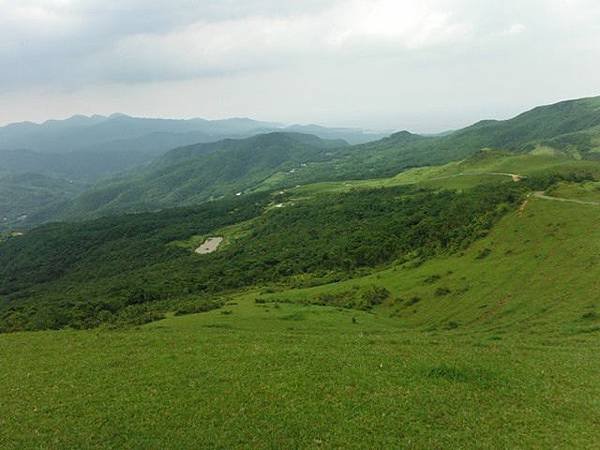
{"x": 416, "y": 58}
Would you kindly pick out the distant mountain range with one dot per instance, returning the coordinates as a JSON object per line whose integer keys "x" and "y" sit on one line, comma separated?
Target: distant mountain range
{"x": 88, "y": 148}
{"x": 268, "y": 160}
{"x": 201, "y": 172}
{"x": 194, "y": 174}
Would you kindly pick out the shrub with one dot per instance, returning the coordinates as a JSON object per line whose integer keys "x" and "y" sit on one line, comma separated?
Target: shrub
{"x": 483, "y": 253}
{"x": 442, "y": 291}
{"x": 452, "y": 325}
{"x": 432, "y": 279}
{"x": 196, "y": 308}
{"x": 375, "y": 295}
{"x": 137, "y": 315}
{"x": 413, "y": 300}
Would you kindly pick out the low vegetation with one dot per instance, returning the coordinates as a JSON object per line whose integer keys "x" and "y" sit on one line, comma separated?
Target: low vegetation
{"x": 63, "y": 274}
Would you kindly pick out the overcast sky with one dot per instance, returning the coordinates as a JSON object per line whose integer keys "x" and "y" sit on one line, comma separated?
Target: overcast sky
{"x": 423, "y": 65}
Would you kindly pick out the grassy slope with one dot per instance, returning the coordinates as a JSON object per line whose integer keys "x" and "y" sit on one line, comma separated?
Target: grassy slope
{"x": 522, "y": 285}
{"x": 482, "y": 168}
{"x": 570, "y": 128}
{"x": 517, "y": 369}
{"x": 295, "y": 377}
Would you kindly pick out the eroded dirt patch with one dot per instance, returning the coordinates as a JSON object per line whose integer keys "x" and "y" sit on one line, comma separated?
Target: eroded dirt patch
{"x": 210, "y": 245}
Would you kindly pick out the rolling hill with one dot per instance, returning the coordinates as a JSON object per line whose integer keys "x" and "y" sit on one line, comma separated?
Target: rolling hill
{"x": 570, "y": 127}
{"x": 84, "y": 150}
{"x": 22, "y": 196}
{"x": 449, "y": 305}
{"x": 313, "y": 233}
{"x": 120, "y": 132}
{"x": 452, "y": 291}
{"x": 88, "y": 148}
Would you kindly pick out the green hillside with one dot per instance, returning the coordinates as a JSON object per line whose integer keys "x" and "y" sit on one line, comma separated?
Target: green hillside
{"x": 80, "y": 274}
{"x": 195, "y": 174}
{"x": 72, "y": 274}
{"x": 488, "y": 341}
{"x": 23, "y": 196}
{"x": 570, "y": 128}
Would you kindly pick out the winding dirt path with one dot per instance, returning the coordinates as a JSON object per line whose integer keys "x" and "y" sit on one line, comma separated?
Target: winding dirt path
{"x": 543, "y": 196}
{"x": 515, "y": 177}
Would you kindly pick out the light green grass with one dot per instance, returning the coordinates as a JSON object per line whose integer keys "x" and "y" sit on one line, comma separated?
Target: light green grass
{"x": 588, "y": 191}
{"x": 492, "y": 347}
{"x": 485, "y": 168}
{"x": 293, "y": 377}
{"x": 540, "y": 276}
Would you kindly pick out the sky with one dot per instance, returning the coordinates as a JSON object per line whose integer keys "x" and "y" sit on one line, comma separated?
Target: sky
{"x": 421, "y": 65}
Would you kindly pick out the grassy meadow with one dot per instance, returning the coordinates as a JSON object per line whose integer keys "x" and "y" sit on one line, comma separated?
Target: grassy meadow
{"x": 295, "y": 377}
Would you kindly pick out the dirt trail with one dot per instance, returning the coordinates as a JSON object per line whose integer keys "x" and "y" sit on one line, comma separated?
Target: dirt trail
{"x": 543, "y": 196}
{"x": 515, "y": 177}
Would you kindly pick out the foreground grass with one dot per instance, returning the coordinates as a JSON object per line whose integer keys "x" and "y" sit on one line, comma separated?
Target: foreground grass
{"x": 294, "y": 377}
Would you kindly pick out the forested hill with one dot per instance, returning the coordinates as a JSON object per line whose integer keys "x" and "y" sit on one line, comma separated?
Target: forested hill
{"x": 571, "y": 127}
{"x": 198, "y": 173}
{"x": 76, "y": 274}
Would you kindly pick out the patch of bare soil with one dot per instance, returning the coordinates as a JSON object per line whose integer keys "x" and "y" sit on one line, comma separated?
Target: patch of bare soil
{"x": 210, "y": 245}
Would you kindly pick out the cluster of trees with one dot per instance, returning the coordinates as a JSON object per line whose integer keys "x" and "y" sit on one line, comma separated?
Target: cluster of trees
{"x": 84, "y": 273}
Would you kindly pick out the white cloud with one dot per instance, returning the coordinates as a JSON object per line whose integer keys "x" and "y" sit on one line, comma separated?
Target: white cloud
{"x": 514, "y": 29}
{"x": 410, "y": 24}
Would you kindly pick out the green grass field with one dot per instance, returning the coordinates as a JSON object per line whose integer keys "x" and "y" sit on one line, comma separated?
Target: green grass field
{"x": 295, "y": 377}
{"x": 499, "y": 351}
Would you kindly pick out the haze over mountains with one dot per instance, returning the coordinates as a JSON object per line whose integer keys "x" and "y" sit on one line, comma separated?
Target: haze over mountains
{"x": 231, "y": 181}
{"x": 427, "y": 278}
{"x": 81, "y": 150}
{"x": 196, "y": 173}
{"x": 90, "y": 147}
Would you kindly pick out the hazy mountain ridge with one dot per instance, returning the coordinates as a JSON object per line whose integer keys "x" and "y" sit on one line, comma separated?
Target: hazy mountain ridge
{"x": 569, "y": 127}
{"x": 118, "y": 131}
{"x": 88, "y": 149}
{"x": 197, "y": 173}
{"x": 80, "y": 132}
{"x": 456, "y": 280}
